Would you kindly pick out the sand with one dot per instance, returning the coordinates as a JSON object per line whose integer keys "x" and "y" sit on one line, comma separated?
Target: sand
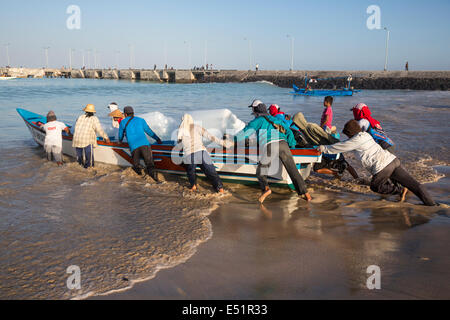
{"x": 289, "y": 249}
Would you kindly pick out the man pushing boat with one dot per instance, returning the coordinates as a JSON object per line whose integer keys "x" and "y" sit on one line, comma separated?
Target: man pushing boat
{"x": 135, "y": 130}
{"x": 276, "y": 139}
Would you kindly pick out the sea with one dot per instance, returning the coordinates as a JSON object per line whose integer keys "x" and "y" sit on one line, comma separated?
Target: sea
{"x": 113, "y": 228}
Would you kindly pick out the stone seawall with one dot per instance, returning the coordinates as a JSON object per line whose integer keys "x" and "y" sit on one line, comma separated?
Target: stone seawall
{"x": 414, "y": 80}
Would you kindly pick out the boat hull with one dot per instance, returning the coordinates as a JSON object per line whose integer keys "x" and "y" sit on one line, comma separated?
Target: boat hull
{"x": 323, "y": 92}
{"x": 235, "y": 164}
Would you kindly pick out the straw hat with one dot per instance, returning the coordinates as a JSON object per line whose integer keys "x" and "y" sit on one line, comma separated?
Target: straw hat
{"x": 89, "y": 108}
{"x": 116, "y": 114}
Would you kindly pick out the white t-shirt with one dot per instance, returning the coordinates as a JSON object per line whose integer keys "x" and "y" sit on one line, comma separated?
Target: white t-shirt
{"x": 53, "y": 131}
{"x": 373, "y": 157}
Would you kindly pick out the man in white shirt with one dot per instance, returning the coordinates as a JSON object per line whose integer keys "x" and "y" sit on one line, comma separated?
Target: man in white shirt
{"x": 388, "y": 176}
{"x": 53, "y": 137}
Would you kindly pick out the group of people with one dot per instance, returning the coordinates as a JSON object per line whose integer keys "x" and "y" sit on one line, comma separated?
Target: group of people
{"x": 278, "y": 133}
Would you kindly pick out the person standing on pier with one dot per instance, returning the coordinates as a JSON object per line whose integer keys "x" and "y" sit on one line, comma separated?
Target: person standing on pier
{"x": 85, "y": 136}
{"x": 406, "y": 66}
{"x": 135, "y": 129}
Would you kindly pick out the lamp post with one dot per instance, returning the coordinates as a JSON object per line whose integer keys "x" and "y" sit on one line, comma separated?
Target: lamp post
{"x": 89, "y": 58}
{"x": 189, "y": 53}
{"x": 387, "y": 46}
{"x": 165, "y": 54}
{"x": 206, "y": 52}
{"x": 249, "y": 53}
{"x": 117, "y": 58}
{"x": 7, "y": 53}
{"x": 95, "y": 58}
{"x": 46, "y": 56}
{"x": 70, "y": 58}
{"x": 292, "y": 51}
{"x": 131, "y": 56}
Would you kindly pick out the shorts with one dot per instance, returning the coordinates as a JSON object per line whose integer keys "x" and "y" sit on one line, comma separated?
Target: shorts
{"x": 56, "y": 151}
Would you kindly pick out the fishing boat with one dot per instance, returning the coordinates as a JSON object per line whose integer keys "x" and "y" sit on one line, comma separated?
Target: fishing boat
{"x": 308, "y": 91}
{"x": 7, "y": 78}
{"x": 236, "y": 164}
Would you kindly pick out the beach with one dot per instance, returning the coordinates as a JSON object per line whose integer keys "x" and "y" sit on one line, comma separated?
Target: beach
{"x": 133, "y": 238}
{"x": 289, "y": 249}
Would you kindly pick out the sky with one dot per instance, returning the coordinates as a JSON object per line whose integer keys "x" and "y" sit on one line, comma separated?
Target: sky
{"x": 230, "y": 34}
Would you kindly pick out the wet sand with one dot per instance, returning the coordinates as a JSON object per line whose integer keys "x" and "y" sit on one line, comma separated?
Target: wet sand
{"x": 289, "y": 249}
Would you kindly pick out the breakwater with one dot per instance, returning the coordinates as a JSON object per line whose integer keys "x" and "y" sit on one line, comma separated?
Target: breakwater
{"x": 414, "y": 80}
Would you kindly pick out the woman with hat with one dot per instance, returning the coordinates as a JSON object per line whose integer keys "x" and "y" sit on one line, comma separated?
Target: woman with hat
{"x": 115, "y": 114}
{"x": 388, "y": 175}
{"x": 84, "y": 141}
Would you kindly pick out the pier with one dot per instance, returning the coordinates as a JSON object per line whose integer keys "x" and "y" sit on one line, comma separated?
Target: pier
{"x": 415, "y": 80}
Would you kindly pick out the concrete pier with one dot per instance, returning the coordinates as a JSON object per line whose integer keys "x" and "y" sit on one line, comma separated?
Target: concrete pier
{"x": 416, "y": 80}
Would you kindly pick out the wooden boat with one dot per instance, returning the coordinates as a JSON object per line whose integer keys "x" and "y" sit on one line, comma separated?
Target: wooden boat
{"x": 236, "y": 164}
{"x": 307, "y": 91}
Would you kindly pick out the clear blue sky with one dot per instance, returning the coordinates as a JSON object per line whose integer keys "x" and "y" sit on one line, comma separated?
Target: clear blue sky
{"x": 329, "y": 35}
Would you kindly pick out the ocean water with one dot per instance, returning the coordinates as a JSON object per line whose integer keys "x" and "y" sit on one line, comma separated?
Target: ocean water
{"x": 119, "y": 228}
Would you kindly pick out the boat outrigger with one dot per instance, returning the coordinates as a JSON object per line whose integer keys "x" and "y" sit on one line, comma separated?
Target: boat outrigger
{"x": 308, "y": 91}
{"x": 237, "y": 164}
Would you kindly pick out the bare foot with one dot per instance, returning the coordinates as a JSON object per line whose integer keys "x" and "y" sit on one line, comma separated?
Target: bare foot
{"x": 221, "y": 190}
{"x": 264, "y": 195}
{"x": 194, "y": 188}
{"x": 403, "y": 195}
{"x": 307, "y": 197}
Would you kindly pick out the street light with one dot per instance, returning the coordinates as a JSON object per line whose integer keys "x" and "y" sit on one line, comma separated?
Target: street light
{"x": 70, "y": 57}
{"x": 7, "y": 53}
{"x": 292, "y": 51}
{"x": 89, "y": 58}
{"x": 46, "y": 56}
{"x": 117, "y": 58}
{"x": 131, "y": 55}
{"x": 206, "y": 52}
{"x": 387, "y": 45}
{"x": 189, "y": 53}
{"x": 249, "y": 53}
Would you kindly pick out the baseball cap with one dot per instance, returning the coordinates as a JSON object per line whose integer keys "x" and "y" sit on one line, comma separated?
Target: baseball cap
{"x": 255, "y": 103}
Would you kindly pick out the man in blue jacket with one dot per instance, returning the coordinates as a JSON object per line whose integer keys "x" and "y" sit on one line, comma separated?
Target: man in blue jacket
{"x": 135, "y": 129}
{"x": 273, "y": 134}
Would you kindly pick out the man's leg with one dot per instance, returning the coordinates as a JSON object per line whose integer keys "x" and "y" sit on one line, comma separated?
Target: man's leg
{"x": 136, "y": 156}
{"x": 146, "y": 153}
{"x": 289, "y": 163}
{"x": 89, "y": 154}
{"x": 57, "y": 154}
{"x": 401, "y": 176}
{"x": 380, "y": 182}
{"x": 48, "y": 152}
{"x": 80, "y": 152}
{"x": 190, "y": 170}
{"x": 262, "y": 172}
{"x": 210, "y": 171}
